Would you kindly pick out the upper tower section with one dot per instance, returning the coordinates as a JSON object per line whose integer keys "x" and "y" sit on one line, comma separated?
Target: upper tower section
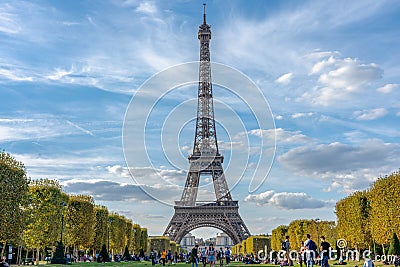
{"x": 205, "y": 143}
{"x": 204, "y": 34}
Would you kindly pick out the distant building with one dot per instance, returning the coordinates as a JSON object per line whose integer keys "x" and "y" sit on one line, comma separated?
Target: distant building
{"x": 223, "y": 240}
{"x": 200, "y": 241}
{"x": 188, "y": 241}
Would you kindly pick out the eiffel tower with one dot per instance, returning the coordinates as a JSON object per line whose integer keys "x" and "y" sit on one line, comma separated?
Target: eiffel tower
{"x": 223, "y": 213}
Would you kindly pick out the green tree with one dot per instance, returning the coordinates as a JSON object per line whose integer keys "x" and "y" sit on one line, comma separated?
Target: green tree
{"x": 118, "y": 232}
{"x": 143, "y": 239}
{"x": 14, "y": 196}
{"x": 80, "y": 222}
{"x": 100, "y": 228}
{"x": 385, "y": 206}
{"x": 136, "y": 238}
{"x": 353, "y": 215}
{"x": 44, "y": 214}
{"x": 394, "y": 248}
{"x": 278, "y": 236}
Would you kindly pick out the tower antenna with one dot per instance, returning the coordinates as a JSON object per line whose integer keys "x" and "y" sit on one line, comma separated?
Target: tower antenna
{"x": 204, "y": 14}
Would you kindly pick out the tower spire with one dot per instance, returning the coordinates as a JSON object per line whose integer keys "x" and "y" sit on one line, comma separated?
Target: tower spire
{"x": 204, "y": 13}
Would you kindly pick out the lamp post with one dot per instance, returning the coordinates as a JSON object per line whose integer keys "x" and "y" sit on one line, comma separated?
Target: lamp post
{"x": 371, "y": 227}
{"x": 58, "y": 257}
{"x": 108, "y": 236}
{"x": 316, "y": 224}
{"x": 63, "y": 204}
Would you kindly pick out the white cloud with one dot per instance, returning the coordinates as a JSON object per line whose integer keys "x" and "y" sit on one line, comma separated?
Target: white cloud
{"x": 372, "y": 114}
{"x": 147, "y": 8}
{"x": 387, "y": 88}
{"x": 14, "y": 75}
{"x": 319, "y": 66}
{"x": 8, "y": 21}
{"x": 279, "y": 117}
{"x": 340, "y": 79}
{"x": 287, "y": 200}
{"x": 46, "y": 127}
{"x": 353, "y": 167}
{"x": 285, "y": 78}
{"x": 282, "y": 136}
{"x": 301, "y": 115}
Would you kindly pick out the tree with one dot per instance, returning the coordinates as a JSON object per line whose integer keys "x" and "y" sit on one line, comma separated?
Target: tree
{"x": 80, "y": 221}
{"x": 278, "y": 236}
{"x": 385, "y": 205}
{"x": 136, "y": 238}
{"x": 353, "y": 213}
{"x": 143, "y": 239}
{"x": 14, "y": 196}
{"x": 44, "y": 214}
{"x": 394, "y": 248}
{"x": 100, "y": 228}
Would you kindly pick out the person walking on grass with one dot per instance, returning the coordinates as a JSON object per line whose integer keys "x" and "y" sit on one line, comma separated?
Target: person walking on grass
{"x": 324, "y": 252}
{"x": 211, "y": 253}
{"x": 194, "y": 258}
{"x": 311, "y": 251}
{"x": 227, "y": 256}
{"x": 163, "y": 257}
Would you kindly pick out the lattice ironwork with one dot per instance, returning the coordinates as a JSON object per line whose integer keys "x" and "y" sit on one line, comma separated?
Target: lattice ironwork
{"x": 223, "y": 213}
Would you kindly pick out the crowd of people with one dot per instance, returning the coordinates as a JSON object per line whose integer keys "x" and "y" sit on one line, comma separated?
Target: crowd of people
{"x": 206, "y": 256}
{"x": 209, "y": 255}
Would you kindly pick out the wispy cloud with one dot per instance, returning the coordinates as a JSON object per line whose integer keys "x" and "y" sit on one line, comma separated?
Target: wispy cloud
{"x": 387, "y": 88}
{"x": 146, "y": 7}
{"x": 285, "y": 78}
{"x": 8, "y": 20}
{"x": 373, "y": 114}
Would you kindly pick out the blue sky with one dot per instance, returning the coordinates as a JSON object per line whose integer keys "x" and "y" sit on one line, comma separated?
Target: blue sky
{"x": 329, "y": 71}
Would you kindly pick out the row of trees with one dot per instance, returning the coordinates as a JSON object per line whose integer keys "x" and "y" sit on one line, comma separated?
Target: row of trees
{"x": 371, "y": 217}
{"x": 298, "y": 229}
{"x": 368, "y": 219}
{"x": 158, "y": 243}
{"x": 252, "y": 245}
{"x": 37, "y": 214}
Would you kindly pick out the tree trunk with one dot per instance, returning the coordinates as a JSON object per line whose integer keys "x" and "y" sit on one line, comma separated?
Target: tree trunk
{"x": 383, "y": 249}
{"x": 37, "y": 256}
{"x": 4, "y": 247}
{"x": 27, "y": 253}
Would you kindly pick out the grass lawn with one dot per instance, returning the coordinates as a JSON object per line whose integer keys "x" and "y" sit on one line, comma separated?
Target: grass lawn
{"x": 233, "y": 264}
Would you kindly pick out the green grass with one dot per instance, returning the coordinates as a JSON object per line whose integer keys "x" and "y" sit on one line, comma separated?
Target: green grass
{"x": 148, "y": 264}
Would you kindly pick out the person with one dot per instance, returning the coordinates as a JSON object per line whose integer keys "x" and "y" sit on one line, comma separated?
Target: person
{"x": 286, "y": 248}
{"x": 3, "y": 262}
{"x": 368, "y": 262}
{"x": 211, "y": 255}
{"x": 169, "y": 257}
{"x": 311, "y": 248}
{"x": 396, "y": 261}
{"x": 163, "y": 257}
{"x": 227, "y": 256}
{"x": 153, "y": 256}
{"x": 324, "y": 252}
{"x": 301, "y": 254}
{"x": 221, "y": 257}
{"x": 194, "y": 256}
{"x": 204, "y": 256}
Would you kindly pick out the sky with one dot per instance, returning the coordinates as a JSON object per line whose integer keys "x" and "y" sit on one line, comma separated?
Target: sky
{"x": 101, "y": 96}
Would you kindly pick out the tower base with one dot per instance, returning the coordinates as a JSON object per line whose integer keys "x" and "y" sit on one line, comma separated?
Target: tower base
{"x": 223, "y": 215}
